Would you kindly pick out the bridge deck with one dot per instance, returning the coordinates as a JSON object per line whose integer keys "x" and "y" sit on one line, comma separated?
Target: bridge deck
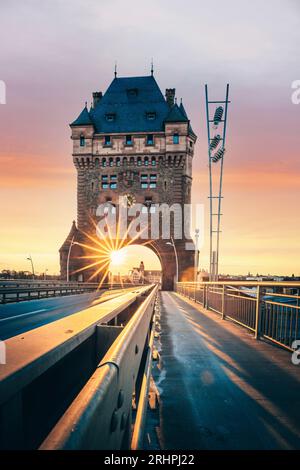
{"x": 219, "y": 387}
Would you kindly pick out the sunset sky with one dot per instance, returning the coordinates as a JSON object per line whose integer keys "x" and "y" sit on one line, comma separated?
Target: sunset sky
{"x": 54, "y": 54}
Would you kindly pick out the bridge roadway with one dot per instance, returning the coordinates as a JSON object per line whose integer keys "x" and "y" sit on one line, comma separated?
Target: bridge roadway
{"x": 219, "y": 387}
{"x": 17, "y": 318}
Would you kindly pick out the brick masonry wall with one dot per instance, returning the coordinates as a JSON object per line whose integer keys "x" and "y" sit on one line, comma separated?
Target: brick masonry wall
{"x": 173, "y": 170}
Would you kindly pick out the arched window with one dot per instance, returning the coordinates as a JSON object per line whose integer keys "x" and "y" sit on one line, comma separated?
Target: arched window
{"x": 131, "y": 161}
{"x": 124, "y": 161}
{"x": 153, "y": 161}
{"x": 82, "y": 141}
{"x": 139, "y": 161}
{"x": 146, "y": 161}
{"x": 103, "y": 162}
{"x": 118, "y": 161}
{"x": 111, "y": 162}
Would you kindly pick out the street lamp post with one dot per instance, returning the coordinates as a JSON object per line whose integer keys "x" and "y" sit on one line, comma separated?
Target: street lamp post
{"x": 197, "y": 231}
{"x": 68, "y": 258}
{"x": 30, "y": 259}
{"x": 176, "y": 257}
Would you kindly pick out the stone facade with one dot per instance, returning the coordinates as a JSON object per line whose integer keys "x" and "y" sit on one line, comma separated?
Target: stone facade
{"x": 152, "y": 164}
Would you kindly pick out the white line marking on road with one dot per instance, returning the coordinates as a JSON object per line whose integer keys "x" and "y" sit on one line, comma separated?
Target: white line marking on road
{"x": 23, "y": 315}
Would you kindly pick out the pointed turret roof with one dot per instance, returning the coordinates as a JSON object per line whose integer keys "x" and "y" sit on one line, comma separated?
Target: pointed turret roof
{"x": 181, "y": 107}
{"x": 72, "y": 234}
{"x": 176, "y": 115}
{"x": 84, "y": 118}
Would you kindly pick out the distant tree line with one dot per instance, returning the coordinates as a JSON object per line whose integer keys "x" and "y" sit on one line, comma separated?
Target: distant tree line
{"x": 13, "y": 274}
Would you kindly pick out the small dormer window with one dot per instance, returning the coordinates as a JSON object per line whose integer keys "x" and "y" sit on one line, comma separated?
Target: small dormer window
{"x": 132, "y": 92}
{"x": 82, "y": 141}
{"x": 110, "y": 117}
{"x": 175, "y": 138}
{"x": 151, "y": 116}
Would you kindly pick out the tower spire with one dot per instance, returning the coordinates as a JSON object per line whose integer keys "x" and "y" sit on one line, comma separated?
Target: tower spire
{"x": 116, "y": 69}
{"x": 152, "y": 68}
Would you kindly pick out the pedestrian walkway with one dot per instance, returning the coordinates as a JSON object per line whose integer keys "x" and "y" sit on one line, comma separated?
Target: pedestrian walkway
{"x": 219, "y": 387}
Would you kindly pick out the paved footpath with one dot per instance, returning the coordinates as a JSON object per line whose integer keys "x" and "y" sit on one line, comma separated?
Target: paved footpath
{"x": 219, "y": 387}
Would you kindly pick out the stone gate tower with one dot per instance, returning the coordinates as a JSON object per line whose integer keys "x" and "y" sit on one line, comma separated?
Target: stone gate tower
{"x": 137, "y": 142}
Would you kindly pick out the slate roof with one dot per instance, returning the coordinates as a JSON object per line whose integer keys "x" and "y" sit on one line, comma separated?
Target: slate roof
{"x": 183, "y": 111}
{"x": 83, "y": 119}
{"x": 175, "y": 115}
{"x": 126, "y": 105}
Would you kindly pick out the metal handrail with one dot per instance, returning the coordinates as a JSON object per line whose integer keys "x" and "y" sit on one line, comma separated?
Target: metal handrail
{"x": 57, "y": 356}
{"x": 100, "y": 416}
{"x": 22, "y": 292}
{"x": 245, "y": 283}
{"x": 277, "y": 320}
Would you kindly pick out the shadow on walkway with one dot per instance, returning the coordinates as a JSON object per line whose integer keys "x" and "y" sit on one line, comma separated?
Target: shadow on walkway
{"x": 219, "y": 387}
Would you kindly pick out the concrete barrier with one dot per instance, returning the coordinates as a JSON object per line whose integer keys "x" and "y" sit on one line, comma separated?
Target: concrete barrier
{"x": 47, "y": 367}
{"x": 100, "y": 416}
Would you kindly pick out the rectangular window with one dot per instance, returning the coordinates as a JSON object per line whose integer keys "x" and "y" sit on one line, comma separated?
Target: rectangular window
{"x": 105, "y": 185}
{"x": 107, "y": 140}
{"x": 110, "y": 117}
{"x": 150, "y": 140}
{"x": 151, "y": 116}
{"x": 131, "y": 92}
{"x": 113, "y": 185}
{"x": 113, "y": 177}
{"x": 144, "y": 177}
{"x": 82, "y": 141}
{"x": 152, "y": 185}
{"x": 144, "y": 185}
{"x": 128, "y": 140}
{"x": 153, "y": 177}
{"x": 175, "y": 139}
{"x": 104, "y": 177}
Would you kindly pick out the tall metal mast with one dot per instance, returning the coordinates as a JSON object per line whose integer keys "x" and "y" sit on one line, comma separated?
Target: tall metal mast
{"x": 216, "y": 152}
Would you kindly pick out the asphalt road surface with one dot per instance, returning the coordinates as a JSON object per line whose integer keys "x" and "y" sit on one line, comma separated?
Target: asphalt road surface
{"x": 19, "y": 317}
